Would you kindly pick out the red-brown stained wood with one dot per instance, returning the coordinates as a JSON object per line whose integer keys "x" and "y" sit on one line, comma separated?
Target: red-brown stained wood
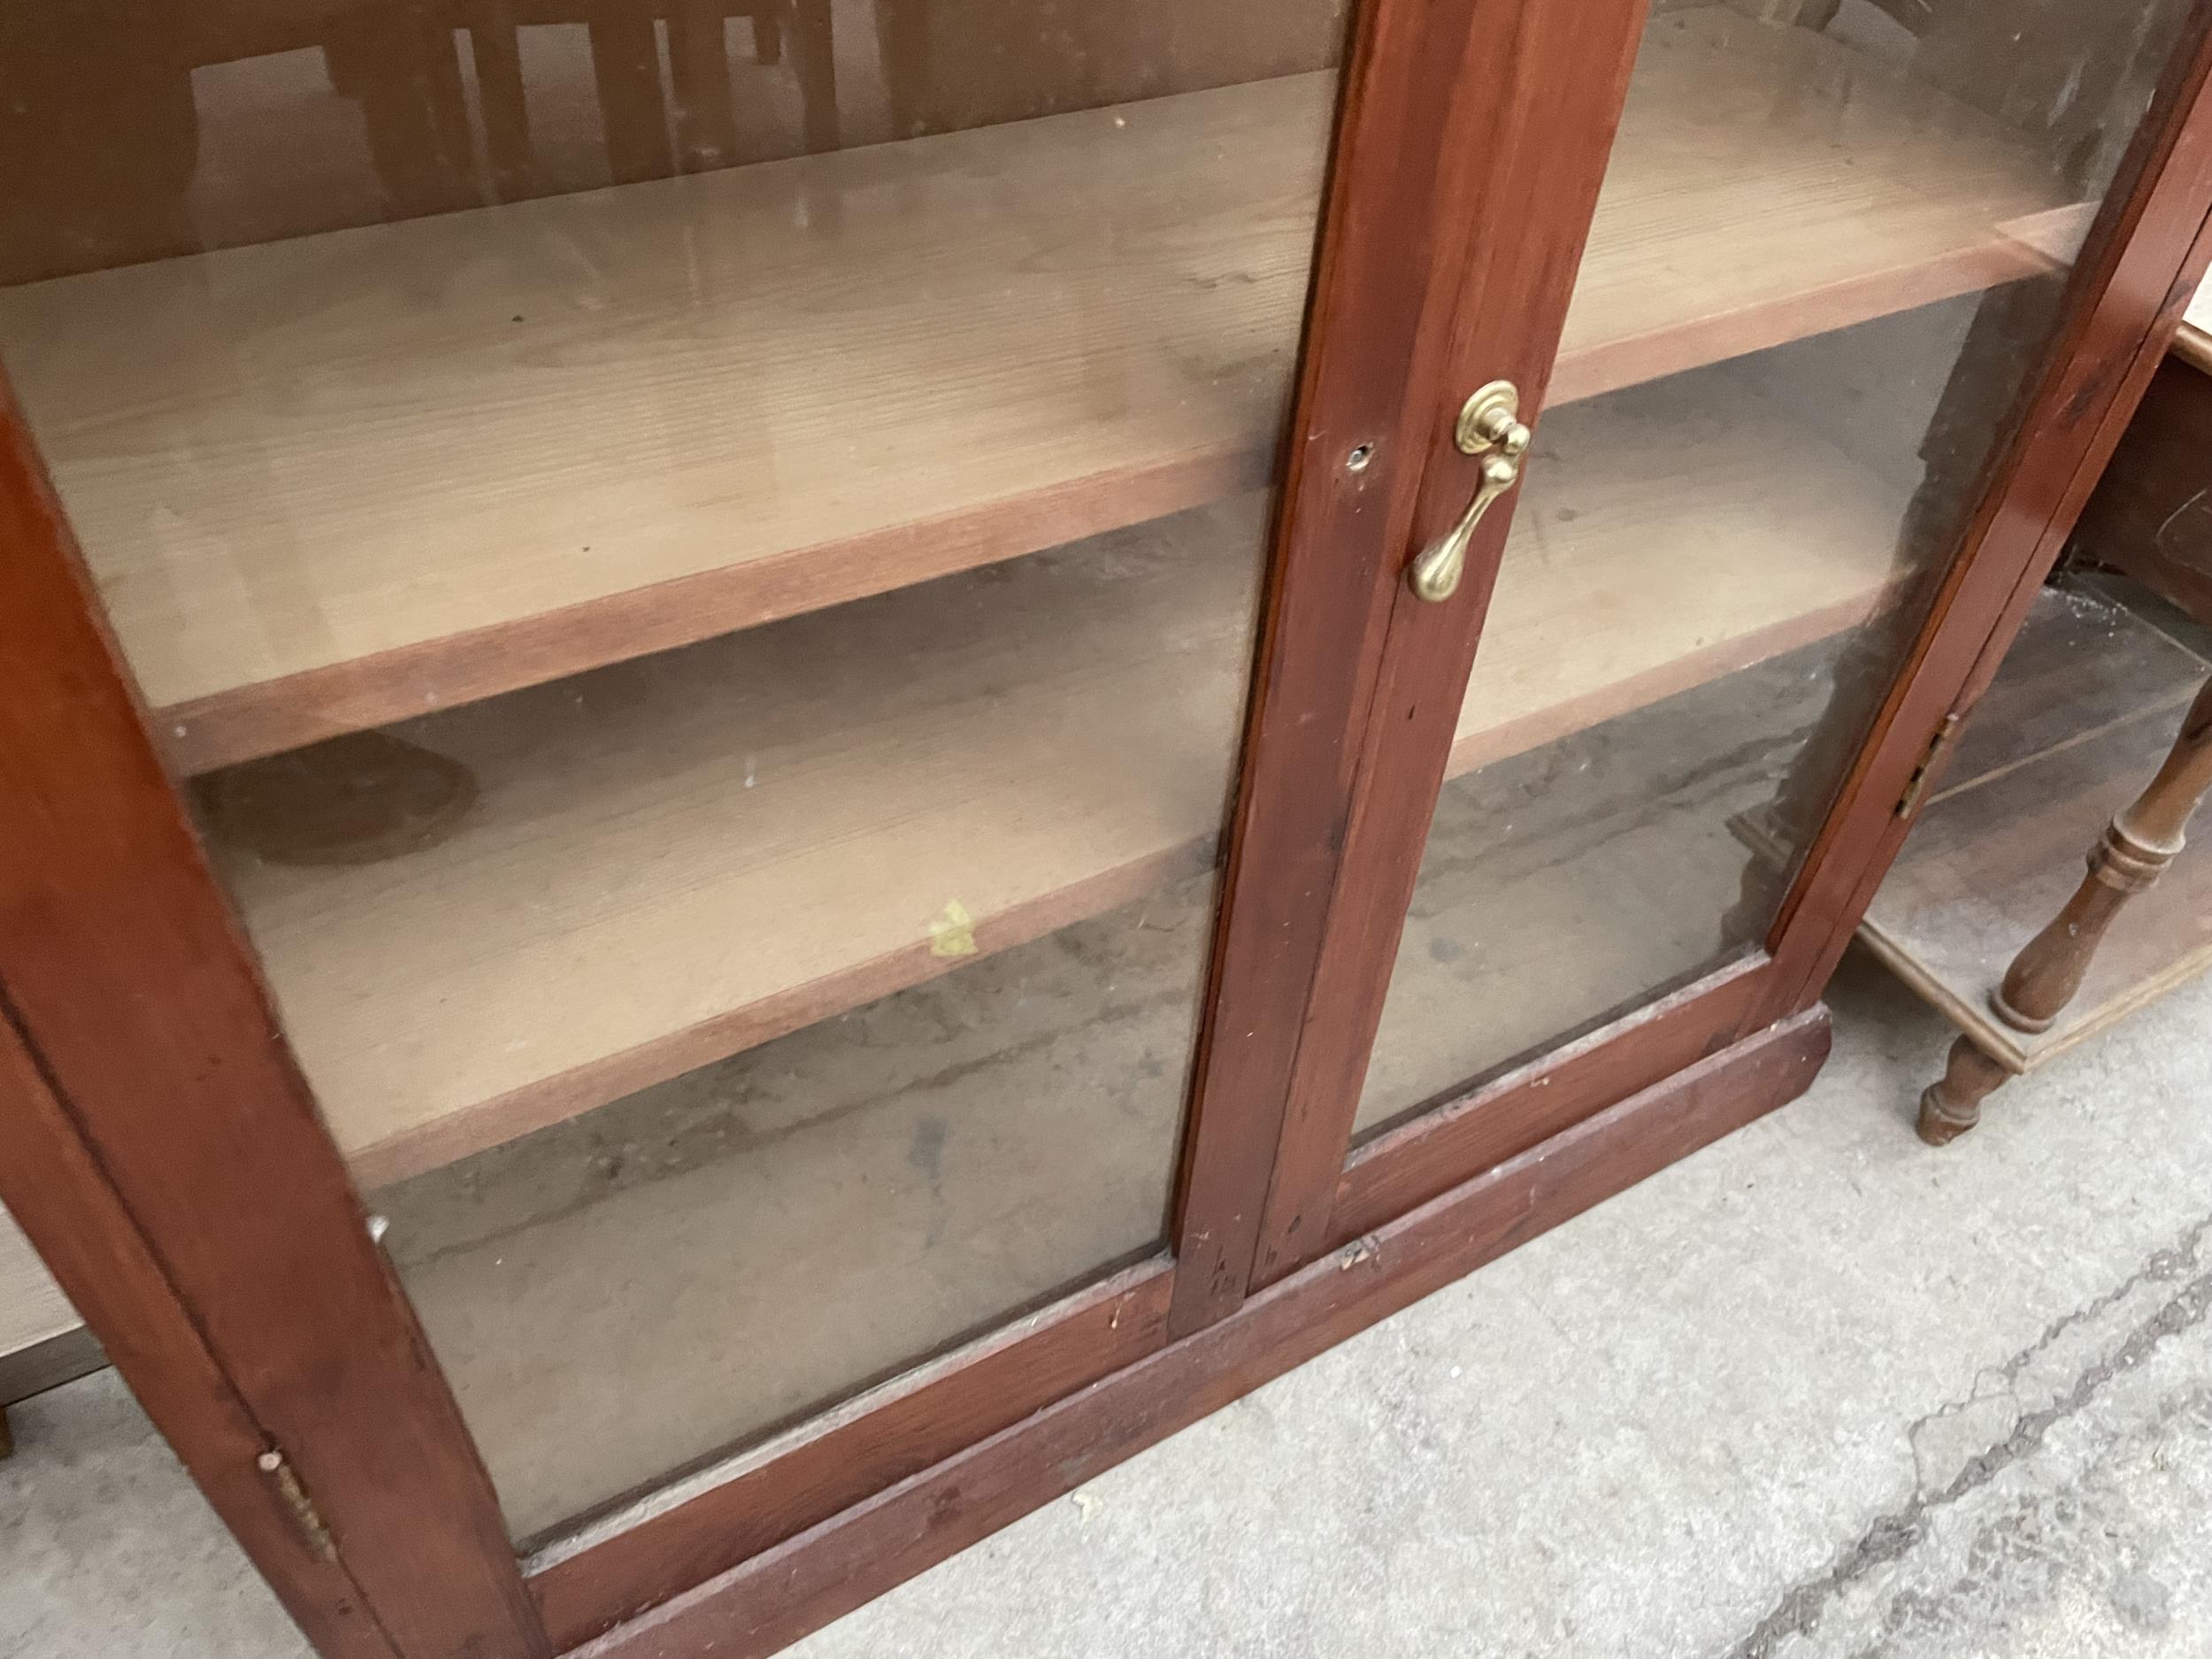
{"x": 55, "y": 1189}
{"x": 1400, "y": 205}
{"x": 885, "y": 1439}
{"x": 1504, "y": 1118}
{"x": 1951, "y": 1105}
{"x": 1551, "y": 86}
{"x": 143, "y": 1006}
{"x": 800, "y": 1586}
{"x": 2143, "y": 838}
{"x": 2126, "y": 297}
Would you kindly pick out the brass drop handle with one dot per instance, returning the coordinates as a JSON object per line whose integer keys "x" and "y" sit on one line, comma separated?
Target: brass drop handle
{"x": 1489, "y": 425}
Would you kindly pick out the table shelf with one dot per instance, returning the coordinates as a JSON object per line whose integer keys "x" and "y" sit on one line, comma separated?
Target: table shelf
{"x": 331, "y": 482}
{"x": 2077, "y": 721}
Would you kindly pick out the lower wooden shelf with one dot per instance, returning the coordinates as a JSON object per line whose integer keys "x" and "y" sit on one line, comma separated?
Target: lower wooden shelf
{"x": 2077, "y": 722}
{"x": 838, "y": 1203}
{"x": 678, "y": 857}
{"x": 329, "y": 483}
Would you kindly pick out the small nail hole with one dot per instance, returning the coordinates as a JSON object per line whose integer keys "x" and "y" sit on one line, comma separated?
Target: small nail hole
{"x": 1357, "y": 462}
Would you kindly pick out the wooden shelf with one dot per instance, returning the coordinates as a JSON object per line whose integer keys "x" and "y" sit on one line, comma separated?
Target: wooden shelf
{"x": 42, "y": 1339}
{"x": 673, "y": 858}
{"x": 331, "y": 482}
{"x": 2077, "y": 722}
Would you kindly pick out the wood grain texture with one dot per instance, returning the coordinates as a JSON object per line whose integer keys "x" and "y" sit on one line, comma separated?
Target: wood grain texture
{"x": 124, "y": 971}
{"x": 683, "y": 1535}
{"x": 1769, "y": 183}
{"x": 2140, "y": 266}
{"x": 682, "y": 857}
{"x": 779, "y": 1595}
{"x": 330, "y": 482}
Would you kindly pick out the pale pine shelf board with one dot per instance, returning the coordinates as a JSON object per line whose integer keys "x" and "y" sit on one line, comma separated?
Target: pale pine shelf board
{"x": 331, "y": 482}
{"x": 32, "y": 1310}
{"x": 1767, "y": 184}
{"x": 674, "y": 858}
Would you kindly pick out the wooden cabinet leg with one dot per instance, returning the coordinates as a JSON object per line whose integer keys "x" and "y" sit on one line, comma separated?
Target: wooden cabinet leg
{"x": 2135, "y": 849}
{"x": 1953, "y": 1104}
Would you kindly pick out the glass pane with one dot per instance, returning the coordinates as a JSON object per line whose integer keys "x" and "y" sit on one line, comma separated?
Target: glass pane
{"x": 1828, "y": 251}
{"x": 700, "y": 562}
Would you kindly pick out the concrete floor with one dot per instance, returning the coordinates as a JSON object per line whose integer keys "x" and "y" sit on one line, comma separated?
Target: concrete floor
{"x": 1817, "y": 1391}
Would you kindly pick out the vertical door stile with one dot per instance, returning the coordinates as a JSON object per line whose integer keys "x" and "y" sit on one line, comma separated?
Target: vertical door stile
{"x": 1549, "y": 87}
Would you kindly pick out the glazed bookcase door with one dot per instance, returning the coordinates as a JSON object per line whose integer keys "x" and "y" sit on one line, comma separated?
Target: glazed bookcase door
{"x": 1740, "y": 507}
{"x": 1835, "y": 253}
{"x": 686, "y": 582}
{"x": 698, "y": 571}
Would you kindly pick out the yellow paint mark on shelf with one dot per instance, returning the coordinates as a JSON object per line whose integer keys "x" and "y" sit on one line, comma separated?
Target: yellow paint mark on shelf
{"x": 953, "y": 933}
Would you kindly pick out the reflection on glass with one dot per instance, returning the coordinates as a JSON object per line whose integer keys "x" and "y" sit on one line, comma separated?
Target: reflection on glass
{"x": 699, "y": 562}
{"x": 1829, "y": 249}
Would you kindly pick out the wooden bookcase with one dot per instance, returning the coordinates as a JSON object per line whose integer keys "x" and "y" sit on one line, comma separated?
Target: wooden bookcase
{"x": 716, "y": 749}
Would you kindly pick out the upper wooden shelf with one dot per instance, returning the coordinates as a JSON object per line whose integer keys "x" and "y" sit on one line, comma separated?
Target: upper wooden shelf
{"x": 331, "y": 482}
{"x": 676, "y": 857}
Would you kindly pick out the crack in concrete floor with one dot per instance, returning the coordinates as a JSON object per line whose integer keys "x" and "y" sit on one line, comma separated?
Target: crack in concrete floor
{"x": 2065, "y": 1566}
{"x": 1891, "y": 1535}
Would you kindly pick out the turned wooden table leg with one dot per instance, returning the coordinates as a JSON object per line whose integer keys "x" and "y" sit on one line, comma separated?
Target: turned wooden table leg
{"x": 2137, "y": 847}
{"x": 2134, "y": 850}
{"x": 1951, "y": 1105}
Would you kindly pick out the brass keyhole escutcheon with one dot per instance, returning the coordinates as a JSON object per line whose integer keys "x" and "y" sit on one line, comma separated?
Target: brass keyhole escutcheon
{"x": 1489, "y": 425}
